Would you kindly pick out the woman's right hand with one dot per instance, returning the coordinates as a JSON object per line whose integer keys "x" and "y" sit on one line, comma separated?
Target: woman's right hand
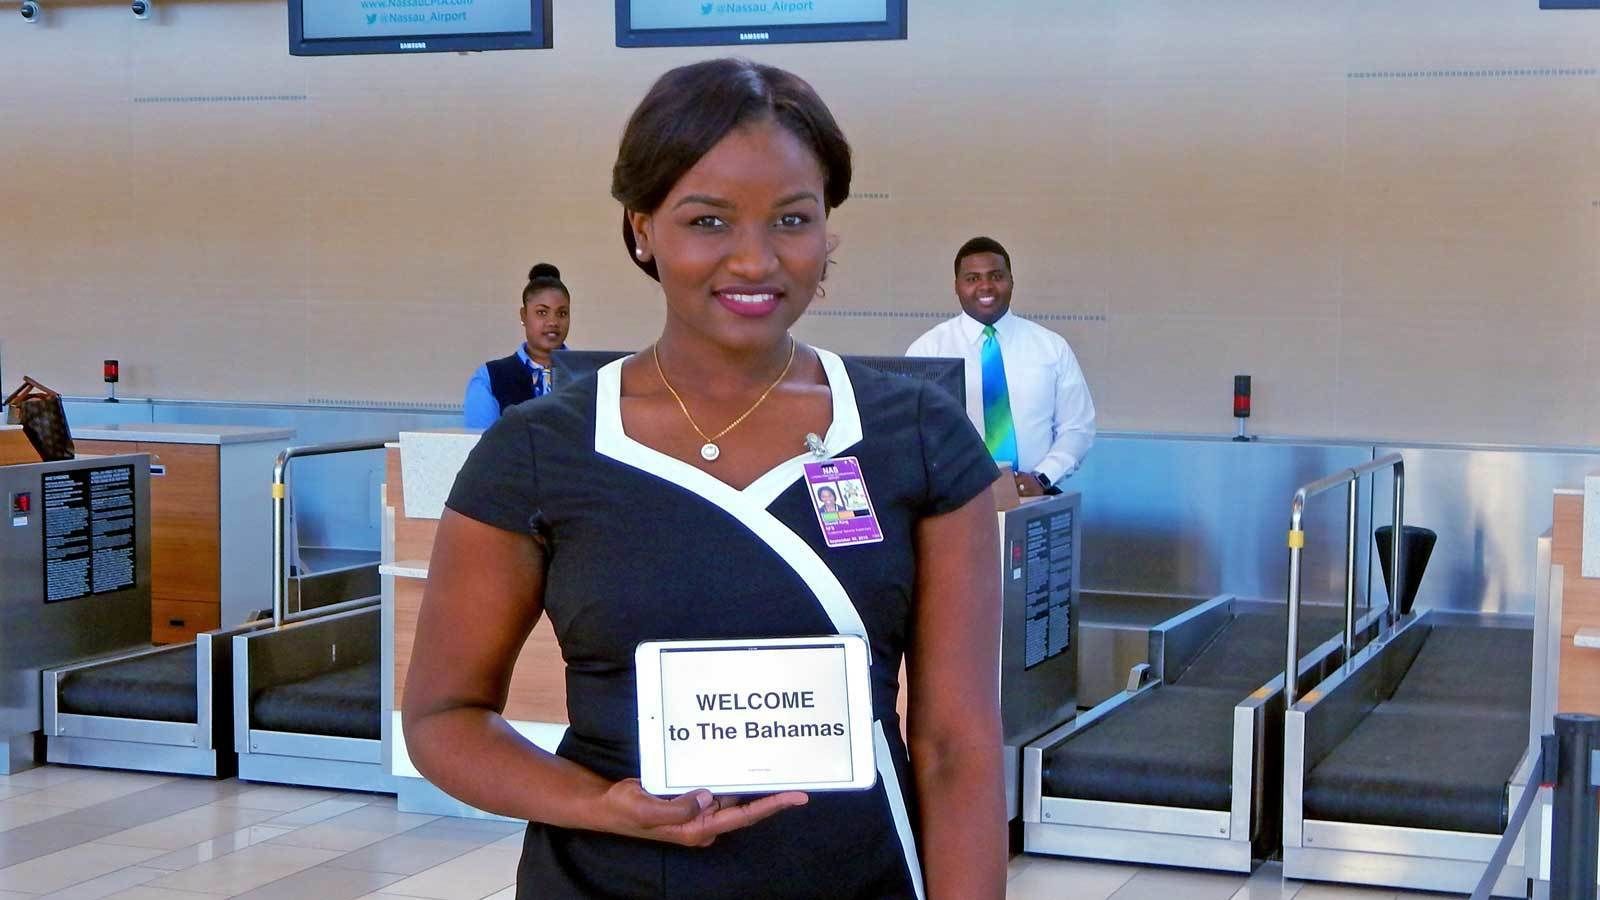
{"x": 692, "y": 820}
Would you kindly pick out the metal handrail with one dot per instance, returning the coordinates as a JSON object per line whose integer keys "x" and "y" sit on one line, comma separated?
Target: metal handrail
{"x": 1297, "y": 542}
{"x": 280, "y": 493}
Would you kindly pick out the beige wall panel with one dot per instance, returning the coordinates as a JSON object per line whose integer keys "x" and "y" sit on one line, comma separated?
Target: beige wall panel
{"x": 990, "y": 137}
{"x": 69, "y": 329}
{"x": 1057, "y": 249}
{"x": 219, "y": 215}
{"x": 74, "y": 237}
{"x": 78, "y": 53}
{"x": 1487, "y": 263}
{"x": 1509, "y": 139}
{"x": 1240, "y": 39}
{"x": 1498, "y": 382}
{"x": 1185, "y": 187}
{"x": 199, "y": 351}
{"x": 233, "y": 59}
{"x": 1447, "y": 34}
{"x": 385, "y": 353}
{"x": 1176, "y": 373}
{"x": 413, "y": 247}
{"x": 1007, "y": 40}
{"x": 1205, "y": 143}
{"x": 1262, "y": 259}
{"x": 1591, "y": 398}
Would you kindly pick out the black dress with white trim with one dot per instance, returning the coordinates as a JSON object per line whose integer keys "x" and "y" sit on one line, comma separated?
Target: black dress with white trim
{"x": 641, "y": 546}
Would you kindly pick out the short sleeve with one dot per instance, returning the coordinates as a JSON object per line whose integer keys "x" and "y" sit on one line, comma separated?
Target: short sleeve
{"x": 955, "y": 461}
{"x": 499, "y": 483}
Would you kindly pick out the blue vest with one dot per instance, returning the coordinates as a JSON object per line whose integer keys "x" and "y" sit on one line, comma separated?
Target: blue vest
{"x": 512, "y": 381}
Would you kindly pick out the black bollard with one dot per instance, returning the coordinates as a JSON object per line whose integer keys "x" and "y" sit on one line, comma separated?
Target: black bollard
{"x": 1575, "y": 826}
{"x": 1417, "y": 545}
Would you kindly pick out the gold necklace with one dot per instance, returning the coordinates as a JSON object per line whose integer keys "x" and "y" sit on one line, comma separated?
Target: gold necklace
{"x": 709, "y": 451}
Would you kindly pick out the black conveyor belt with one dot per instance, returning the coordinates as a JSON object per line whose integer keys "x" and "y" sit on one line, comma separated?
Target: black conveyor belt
{"x": 1441, "y": 751}
{"x": 157, "y": 686}
{"x": 341, "y": 703}
{"x": 1173, "y": 746}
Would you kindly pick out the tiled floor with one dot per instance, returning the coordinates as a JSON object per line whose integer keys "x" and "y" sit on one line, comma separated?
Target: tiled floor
{"x": 85, "y": 834}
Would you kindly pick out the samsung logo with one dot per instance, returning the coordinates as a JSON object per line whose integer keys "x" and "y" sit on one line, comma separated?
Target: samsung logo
{"x": 413, "y": 45}
{"x": 754, "y": 36}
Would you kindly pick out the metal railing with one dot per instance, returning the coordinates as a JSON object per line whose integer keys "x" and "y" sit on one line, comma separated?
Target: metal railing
{"x": 1297, "y": 542}
{"x": 280, "y": 494}
{"x": 1569, "y": 764}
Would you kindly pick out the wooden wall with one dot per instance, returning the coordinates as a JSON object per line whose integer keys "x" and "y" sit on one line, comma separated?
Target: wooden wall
{"x": 1580, "y": 608}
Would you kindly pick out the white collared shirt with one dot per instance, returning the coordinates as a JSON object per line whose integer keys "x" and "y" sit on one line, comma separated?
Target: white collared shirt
{"x": 1050, "y": 401}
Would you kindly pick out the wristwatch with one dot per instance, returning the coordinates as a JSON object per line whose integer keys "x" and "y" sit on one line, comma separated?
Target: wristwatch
{"x": 1043, "y": 481}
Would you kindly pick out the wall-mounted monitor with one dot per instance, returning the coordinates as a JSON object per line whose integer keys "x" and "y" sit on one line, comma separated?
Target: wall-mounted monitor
{"x": 338, "y": 27}
{"x": 702, "y": 23}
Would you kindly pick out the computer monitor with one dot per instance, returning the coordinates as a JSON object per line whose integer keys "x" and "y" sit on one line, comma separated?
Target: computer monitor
{"x": 706, "y": 23}
{"x": 949, "y": 374}
{"x": 339, "y": 27}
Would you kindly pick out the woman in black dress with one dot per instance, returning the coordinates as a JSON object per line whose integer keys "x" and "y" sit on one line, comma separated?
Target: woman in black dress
{"x": 664, "y": 499}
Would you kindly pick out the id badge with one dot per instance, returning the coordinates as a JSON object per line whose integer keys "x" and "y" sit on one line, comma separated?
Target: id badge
{"x": 844, "y": 509}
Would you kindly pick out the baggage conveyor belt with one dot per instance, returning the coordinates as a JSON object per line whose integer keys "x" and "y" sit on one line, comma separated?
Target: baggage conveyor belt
{"x": 1174, "y": 746}
{"x": 158, "y": 687}
{"x": 340, "y": 703}
{"x": 1438, "y": 753}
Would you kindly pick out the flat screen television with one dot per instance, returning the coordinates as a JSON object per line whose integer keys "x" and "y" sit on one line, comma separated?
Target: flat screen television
{"x": 340, "y": 27}
{"x": 949, "y": 374}
{"x": 705, "y": 23}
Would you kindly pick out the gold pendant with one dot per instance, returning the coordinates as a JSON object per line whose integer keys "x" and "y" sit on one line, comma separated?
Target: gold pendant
{"x": 710, "y": 452}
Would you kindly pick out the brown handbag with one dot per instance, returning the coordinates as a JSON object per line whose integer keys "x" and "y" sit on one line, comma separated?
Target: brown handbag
{"x": 43, "y": 419}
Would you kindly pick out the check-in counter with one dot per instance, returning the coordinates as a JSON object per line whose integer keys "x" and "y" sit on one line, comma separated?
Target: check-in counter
{"x": 421, "y": 468}
{"x": 1575, "y": 543}
{"x": 14, "y": 446}
{"x": 210, "y": 518}
{"x": 75, "y": 553}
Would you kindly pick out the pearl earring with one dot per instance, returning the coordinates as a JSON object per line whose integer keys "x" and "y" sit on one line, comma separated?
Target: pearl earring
{"x": 639, "y": 252}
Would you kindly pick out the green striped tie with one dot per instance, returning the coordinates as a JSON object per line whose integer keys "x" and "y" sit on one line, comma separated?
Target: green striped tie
{"x": 999, "y": 431}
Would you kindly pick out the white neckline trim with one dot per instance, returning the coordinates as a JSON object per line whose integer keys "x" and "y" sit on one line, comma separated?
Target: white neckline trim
{"x": 748, "y": 506}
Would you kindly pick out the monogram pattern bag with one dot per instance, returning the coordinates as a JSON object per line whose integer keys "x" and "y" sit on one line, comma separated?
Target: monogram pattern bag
{"x": 43, "y": 419}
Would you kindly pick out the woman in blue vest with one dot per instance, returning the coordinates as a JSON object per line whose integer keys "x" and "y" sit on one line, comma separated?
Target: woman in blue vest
{"x": 502, "y": 383}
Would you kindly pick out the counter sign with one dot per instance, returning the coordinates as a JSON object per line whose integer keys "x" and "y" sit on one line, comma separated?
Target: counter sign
{"x": 88, "y": 531}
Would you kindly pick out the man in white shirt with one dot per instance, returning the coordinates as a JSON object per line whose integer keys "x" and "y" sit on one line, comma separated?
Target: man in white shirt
{"x": 1033, "y": 409}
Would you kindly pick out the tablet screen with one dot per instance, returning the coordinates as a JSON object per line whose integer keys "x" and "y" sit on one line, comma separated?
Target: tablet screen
{"x": 748, "y": 715}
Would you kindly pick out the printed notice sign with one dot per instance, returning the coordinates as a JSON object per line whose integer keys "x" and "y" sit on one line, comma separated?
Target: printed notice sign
{"x": 1047, "y": 565}
{"x": 740, "y": 716}
{"x": 326, "y": 19}
{"x": 88, "y": 532}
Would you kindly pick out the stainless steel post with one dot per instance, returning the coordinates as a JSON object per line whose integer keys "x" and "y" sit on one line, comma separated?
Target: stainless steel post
{"x": 1397, "y": 565}
{"x": 280, "y": 488}
{"x": 280, "y": 494}
{"x": 1291, "y": 664}
{"x": 1354, "y": 491}
{"x": 1297, "y": 542}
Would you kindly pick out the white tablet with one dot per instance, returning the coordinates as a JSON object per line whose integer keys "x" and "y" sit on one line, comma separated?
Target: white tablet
{"x": 755, "y": 716}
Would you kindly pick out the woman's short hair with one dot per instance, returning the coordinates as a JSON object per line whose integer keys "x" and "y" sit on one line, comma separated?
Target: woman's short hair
{"x": 690, "y": 108}
{"x": 542, "y": 277}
